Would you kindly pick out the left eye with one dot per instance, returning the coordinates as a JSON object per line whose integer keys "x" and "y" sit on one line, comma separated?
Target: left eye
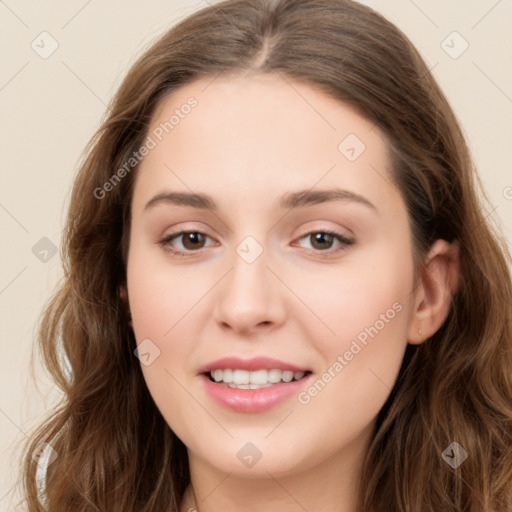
{"x": 194, "y": 241}
{"x": 323, "y": 238}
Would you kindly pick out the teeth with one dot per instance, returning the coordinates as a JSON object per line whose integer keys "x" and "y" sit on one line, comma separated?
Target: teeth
{"x": 258, "y": 377}
{"x": 244, "y": 379}
{"x": 249, "y": 386}
{"x": 241, "y": 377}
{"x": 287, "y": 376}
{"x": 274, "y": 375}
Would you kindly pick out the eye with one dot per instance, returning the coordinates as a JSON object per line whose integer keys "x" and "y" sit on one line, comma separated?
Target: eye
{"x": 192, "y": 241}
{"x": 323, "y": 240}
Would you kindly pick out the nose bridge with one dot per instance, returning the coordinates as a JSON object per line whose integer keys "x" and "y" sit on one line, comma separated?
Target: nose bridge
{"x": 250, "y": 293}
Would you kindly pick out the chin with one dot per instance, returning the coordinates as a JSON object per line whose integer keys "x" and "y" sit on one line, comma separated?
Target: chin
{"x": 258, "y": 459}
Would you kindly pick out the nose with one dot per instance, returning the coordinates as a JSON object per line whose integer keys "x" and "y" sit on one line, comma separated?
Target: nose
{"x": 250, "y": 297}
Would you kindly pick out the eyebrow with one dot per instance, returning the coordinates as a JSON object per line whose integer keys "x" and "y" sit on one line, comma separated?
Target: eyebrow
{"x": 290, "y": 200}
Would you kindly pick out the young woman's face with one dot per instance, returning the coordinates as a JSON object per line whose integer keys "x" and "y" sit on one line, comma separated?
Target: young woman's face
{"x": 259, "y": 279}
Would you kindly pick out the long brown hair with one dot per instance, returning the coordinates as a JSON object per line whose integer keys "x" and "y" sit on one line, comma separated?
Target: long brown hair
{"x": 115, "y": 451}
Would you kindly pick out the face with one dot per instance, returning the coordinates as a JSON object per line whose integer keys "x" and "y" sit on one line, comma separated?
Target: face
{"x": 298, "y": 266}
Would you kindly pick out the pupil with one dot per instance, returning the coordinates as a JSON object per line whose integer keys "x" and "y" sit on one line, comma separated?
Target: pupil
{"x": 320, "y": 236}
{"x": 191, "y": 236}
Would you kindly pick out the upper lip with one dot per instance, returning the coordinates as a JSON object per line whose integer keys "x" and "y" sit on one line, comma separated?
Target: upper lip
{"x": 253, "y": 364}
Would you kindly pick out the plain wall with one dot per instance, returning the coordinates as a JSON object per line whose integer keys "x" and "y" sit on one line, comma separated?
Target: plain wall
{"x": 51, "y": 106}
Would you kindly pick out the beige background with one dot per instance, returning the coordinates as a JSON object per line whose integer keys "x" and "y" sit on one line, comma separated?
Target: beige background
{"x": 51, "y": 107}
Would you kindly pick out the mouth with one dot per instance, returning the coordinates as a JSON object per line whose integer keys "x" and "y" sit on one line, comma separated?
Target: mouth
{"x": 258, "y": 379}
{"x": 252, "y": 385}
{"x": 253, "y": 391}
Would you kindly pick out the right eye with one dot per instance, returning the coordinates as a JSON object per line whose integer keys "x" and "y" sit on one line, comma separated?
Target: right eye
{"x": 192, "y": 241}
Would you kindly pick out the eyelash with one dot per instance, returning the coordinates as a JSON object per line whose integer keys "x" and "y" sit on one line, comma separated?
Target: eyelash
{"x": 344, "y": 241}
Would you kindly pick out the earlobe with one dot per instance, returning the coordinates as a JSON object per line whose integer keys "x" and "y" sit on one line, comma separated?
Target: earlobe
{"x": 124, "y": 297}
{"x": 433, "y": 298}
{"x": 123, "y": 293}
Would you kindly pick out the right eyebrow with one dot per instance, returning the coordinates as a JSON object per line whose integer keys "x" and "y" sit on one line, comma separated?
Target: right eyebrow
{"x": 202, "y": 201}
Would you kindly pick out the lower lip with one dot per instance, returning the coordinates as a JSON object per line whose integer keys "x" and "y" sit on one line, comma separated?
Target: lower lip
{"x": 253, "y": 400}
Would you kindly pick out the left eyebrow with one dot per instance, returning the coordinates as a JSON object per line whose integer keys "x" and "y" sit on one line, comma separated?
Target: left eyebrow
{"x": 306, "y": 197}
{"x": 289, "y": 201}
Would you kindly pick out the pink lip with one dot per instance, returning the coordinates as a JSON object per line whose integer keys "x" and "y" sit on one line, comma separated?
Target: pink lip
{"x": 256, "y": 363}
{"x": 252, "y": 400}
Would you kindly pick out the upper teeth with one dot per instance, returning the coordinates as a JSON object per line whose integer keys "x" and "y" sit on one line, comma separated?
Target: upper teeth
{"x": 258, "y": 377}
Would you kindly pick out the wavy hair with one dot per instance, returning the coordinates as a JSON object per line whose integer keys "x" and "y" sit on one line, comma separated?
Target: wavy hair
{"x": 115, "y": 450}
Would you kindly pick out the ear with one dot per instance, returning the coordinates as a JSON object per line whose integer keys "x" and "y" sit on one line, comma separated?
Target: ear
{"x": 433, "y": 296}
{"x": 123, "y": 293}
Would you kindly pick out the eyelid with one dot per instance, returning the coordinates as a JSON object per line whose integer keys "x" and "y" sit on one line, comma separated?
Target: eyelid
{"x": 327, "y": 230}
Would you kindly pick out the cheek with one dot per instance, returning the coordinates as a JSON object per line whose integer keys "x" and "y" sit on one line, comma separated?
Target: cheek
{"x": 169, "y": 307}
{"x": 159, "y": 302}
{"x": 159, "y": 293}
{"x": 362, "y": 301}
{"x": 156, "y": 304}
{"x": 366, "y": 311}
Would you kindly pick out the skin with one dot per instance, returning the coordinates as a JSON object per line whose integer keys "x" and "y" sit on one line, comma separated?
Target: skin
{"x": 248, "y": 141}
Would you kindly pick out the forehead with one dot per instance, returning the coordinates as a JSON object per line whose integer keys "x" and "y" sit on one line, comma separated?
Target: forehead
{"x": 261, "y": 135}
{"x": 262, "y": 106}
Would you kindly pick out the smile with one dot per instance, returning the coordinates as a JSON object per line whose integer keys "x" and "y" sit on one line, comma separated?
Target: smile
{"x": 244, "y": 379}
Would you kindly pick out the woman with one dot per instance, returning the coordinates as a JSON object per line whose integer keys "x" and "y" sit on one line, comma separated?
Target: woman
{"x": 216, "y": 362}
